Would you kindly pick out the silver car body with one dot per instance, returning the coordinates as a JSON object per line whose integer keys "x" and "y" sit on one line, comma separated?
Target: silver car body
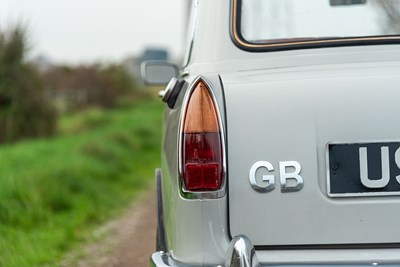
{"x": 282, "y": 107}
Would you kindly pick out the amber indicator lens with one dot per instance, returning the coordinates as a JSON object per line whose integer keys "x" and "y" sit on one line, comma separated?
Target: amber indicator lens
{"x": 201, "y": 143}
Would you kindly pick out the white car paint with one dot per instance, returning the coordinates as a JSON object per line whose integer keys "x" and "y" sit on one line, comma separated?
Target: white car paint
{"x": 279, "y": 107}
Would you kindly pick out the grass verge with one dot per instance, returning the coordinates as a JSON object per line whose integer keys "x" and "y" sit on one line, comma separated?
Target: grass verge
{"x": 52, "y": 192}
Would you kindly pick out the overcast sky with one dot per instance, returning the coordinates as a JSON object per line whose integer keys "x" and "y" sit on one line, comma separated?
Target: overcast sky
{"x": 83, "y": 31}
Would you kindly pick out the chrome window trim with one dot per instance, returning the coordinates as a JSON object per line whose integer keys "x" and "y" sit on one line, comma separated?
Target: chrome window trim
{"x": 191, "y": 31}
{"x": 243, "y": 44}
{"x": 182, "y": 191}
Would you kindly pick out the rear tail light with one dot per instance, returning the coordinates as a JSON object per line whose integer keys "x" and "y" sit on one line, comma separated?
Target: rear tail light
{"x": 202, "y": 167}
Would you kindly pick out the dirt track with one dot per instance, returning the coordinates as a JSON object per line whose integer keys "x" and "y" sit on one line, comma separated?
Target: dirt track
{"x": 129, "y": 240}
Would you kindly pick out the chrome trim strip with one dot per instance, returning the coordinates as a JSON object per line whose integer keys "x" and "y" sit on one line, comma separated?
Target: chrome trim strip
{"x": 201, "y": 195}
{"x": 162, "y": 259}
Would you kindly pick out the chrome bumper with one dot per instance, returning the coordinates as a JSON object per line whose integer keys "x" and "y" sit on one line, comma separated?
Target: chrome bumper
{"x": 241, "y": 253}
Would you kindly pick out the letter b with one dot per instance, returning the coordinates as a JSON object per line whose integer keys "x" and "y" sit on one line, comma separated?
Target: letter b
{"x": 285, "y": 176}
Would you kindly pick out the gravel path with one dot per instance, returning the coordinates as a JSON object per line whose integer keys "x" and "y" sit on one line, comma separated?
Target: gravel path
{"x": 129, "y": 240}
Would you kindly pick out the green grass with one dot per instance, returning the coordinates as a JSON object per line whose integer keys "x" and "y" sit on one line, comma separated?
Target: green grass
{"x": 52, "y": 192}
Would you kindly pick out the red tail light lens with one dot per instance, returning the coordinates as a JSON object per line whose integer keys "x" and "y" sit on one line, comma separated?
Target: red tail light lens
{"x": 202, "y": 163}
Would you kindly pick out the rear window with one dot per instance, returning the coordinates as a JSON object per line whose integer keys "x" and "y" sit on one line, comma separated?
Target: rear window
{"x": 266, "y": 22}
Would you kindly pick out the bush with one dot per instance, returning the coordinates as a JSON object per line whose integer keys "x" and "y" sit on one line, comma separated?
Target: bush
{"x": 88, "y": 86}
{"x": 24, "y": 109}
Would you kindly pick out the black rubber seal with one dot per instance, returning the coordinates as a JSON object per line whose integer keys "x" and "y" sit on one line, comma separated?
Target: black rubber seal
{"x": 175, "y": 93}
{"x": 161, "y": 241}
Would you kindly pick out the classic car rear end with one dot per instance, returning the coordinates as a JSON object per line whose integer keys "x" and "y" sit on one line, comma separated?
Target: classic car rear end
{"x": 281, "y": 145}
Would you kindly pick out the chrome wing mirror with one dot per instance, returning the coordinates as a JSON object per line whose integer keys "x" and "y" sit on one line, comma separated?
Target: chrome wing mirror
{"x": 158, "y": 72}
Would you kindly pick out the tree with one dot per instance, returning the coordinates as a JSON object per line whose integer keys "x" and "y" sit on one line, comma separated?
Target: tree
{"x": 24, "y": 109}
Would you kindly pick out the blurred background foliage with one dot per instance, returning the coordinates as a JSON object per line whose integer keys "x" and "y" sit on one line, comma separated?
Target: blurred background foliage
{"x": 24, "y": 110}
{"x": 32, "y": 98}
{"x": 83, "y": 86}
{"x": 105, "y": 132}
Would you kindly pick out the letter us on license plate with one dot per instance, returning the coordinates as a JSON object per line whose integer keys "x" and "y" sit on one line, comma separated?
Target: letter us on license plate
{"x": 363, "y": 169}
